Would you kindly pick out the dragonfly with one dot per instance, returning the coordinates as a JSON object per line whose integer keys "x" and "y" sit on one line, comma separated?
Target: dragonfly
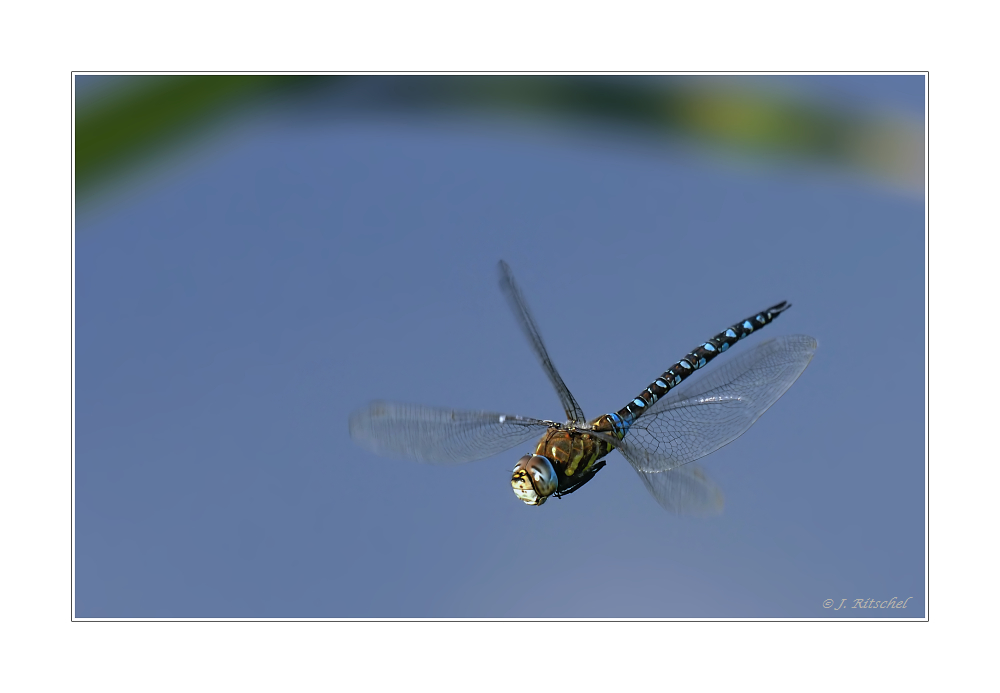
{"x": 660, "y": 432}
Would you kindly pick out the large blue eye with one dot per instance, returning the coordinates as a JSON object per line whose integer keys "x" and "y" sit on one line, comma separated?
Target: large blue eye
{"x": 534, "y": 479}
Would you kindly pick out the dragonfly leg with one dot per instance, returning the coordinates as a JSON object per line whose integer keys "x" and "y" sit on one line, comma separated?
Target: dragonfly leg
{"x": 587, "y": 476}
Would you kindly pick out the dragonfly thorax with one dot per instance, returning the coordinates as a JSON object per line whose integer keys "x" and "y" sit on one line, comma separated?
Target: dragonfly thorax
{"x": 534, "y": 479}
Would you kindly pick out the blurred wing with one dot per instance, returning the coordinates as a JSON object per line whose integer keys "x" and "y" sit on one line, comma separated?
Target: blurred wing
{"x": 530, "y": 329}
{"x": 698, "y": 419}
{"x": 684, "y": 490}
{"x": 438, "y": 436}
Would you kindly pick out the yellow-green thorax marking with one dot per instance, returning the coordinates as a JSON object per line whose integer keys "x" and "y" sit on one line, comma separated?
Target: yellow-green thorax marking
{"x": 572, "y": 452}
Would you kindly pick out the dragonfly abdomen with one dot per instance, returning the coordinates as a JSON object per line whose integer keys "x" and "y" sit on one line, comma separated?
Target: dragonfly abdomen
{"x": 623, "y": 419}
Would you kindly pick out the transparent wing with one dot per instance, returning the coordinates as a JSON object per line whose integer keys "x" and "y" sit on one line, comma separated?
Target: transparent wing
{"x": 684, "y": 490}
{"x": 530, "y": 329}
{"x": 699, "y": 418}
{"x": 438, "y": 436}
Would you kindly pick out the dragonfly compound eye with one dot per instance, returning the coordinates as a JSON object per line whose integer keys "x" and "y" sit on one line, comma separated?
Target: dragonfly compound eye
{"x": 534, "y": 479}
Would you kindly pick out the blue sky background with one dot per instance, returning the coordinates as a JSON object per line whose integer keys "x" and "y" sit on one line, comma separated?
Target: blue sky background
{"x": 231, "y": 312}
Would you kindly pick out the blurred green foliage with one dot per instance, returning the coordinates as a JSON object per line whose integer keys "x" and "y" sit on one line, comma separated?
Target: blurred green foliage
{"x": 134, "y": 125}
{"x": 746, "y": 119}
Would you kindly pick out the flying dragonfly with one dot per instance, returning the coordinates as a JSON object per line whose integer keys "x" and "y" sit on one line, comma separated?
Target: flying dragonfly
{"x": 660, "y": 432}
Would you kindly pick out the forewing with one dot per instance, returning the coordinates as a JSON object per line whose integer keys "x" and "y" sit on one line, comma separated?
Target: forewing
{"x": 520, "y": 308}
{"x": 684, "y": 490}
{"x": 438, "y": 436}
{"x": 702, "y": 416}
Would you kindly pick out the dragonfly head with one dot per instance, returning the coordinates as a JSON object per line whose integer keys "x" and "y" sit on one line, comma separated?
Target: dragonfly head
{"x": 534, "y": 479}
